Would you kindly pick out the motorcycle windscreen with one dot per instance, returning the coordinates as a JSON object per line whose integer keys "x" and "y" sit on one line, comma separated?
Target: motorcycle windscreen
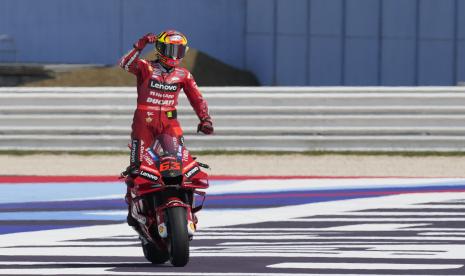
{"x": 170, "y": 162}
{"x": 166, "y": 145}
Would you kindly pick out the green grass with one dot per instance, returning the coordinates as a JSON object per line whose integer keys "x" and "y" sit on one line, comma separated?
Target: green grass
{"x": 260, "y": 153}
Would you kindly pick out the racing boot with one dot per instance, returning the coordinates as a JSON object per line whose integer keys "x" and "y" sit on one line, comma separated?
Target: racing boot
{"x": 128, "y": 198}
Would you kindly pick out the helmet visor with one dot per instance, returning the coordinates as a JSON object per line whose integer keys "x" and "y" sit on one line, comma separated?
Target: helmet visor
{"x": 176, "y": 51}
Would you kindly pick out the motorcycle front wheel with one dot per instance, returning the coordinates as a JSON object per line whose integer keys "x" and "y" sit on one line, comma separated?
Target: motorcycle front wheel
{"x": 178, "y": 236}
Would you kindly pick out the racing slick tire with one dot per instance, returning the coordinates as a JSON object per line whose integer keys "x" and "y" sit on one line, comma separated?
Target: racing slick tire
{"x": 178, "y": 236}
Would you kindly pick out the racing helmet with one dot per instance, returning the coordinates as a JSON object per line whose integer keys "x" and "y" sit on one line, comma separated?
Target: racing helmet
{"x": 171, "y": 47}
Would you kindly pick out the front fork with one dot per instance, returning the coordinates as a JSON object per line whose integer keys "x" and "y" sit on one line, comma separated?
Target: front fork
{"x": 161, "y": 217}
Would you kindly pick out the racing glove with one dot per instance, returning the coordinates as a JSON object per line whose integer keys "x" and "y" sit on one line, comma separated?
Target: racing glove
{"x": 131, "y": 170}
{"x": 205, "y": 126}
{"x": 148, "y": 38}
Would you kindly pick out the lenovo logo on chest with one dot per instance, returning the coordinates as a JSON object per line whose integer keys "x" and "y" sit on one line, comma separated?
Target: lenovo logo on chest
{"x": 163, "y": 86}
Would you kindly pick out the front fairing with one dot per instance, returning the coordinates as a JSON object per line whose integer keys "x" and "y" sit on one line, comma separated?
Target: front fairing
{"x": 163, "y": 169}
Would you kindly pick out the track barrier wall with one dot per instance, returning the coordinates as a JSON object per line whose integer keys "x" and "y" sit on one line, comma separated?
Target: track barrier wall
{"x": 283, "y": 42}
{"x": 245, "y": 118}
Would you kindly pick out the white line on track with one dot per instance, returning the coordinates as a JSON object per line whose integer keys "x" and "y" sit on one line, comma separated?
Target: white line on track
{"x": 425, "y": 207}
{"x": 442, "y": 234}
{"x": 394, "y": 219}
{"x": 105, "y": 271}
{"x": 323, "y": 243}
{"x": 365, "y": 266}
{"x": 332, "y": 237}
{"x": 257, "y": 233}
{"x": 424, "y": 213}
{"x": 357, "y": 227}
{"x": 257, "y": 237}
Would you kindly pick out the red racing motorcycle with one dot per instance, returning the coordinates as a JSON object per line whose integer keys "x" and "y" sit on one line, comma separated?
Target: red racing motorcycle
{"x": 163, "y": 201}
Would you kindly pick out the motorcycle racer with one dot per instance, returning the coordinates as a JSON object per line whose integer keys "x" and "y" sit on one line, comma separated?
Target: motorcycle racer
{"x": 159, "y": 82}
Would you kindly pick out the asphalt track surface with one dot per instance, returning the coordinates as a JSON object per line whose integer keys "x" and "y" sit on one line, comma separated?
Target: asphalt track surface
{"x": 260, "y": 226}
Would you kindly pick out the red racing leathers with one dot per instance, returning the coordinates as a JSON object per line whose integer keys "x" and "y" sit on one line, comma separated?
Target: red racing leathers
{"x": 157, "y": 96}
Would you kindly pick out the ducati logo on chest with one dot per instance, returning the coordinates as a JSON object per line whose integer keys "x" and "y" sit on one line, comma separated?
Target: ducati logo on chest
{"x": 163, "y": 86}
{"x": 148, "y": 120}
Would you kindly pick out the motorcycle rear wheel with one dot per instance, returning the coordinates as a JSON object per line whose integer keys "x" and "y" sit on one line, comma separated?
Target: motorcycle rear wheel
{"x": 178, "y": 236}
{"x": 153, "y": 254}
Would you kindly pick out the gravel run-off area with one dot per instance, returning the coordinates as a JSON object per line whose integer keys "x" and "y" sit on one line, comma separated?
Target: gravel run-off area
{"x": 247, "y": 165}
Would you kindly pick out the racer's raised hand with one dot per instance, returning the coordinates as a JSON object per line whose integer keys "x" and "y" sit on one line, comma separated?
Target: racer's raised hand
{"x": 148, "y": 38}
{"x": 205, "y": 126}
